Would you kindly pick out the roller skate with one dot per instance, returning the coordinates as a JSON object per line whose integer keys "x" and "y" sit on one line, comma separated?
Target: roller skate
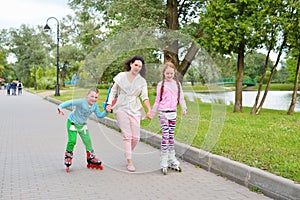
{"x": 68, "y": 160}
{"x": 164, "y": 163}
{"x": 173, "y": 163}
{"x": 92, "y": 161}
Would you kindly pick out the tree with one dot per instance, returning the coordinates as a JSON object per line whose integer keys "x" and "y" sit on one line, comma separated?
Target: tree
{"x": 284, "y": 20}
{"x": 254, "y": 66}
{"x": 293, "y": 42}
{"x": 281, "y": 75}
{"x": 226, "y": 64}
{"x": 294, "y": 96}
{"x": 235, "y": 27}
{"x": 70, "y": 55}
{"x": 27, "y": 46}
{"x": 2, "y": 62}
{"x": 117, "y": 16}
{"x": 255, "y": 109}
{"x": 177, "y": 10}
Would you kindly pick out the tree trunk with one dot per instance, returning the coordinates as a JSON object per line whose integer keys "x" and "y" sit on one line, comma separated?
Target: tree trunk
{"x": 171, "y": 51}
{"x": 293, "y": 102}
{"x": 271, "y": 76}
{"x": 238, "y": 106}
{"x": 172, "y": 15}
{"x": 253, "y": 111}
{"x": 189, "y": 57}
{"x": 254, "y": 107}
{"x": 266, "y": 91}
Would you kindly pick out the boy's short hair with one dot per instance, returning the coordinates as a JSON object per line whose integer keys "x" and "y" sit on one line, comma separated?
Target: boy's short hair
{"x": 93, "y": 90}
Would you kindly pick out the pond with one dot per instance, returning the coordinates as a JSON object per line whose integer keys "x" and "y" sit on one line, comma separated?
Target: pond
{"x": 277, "y": 100}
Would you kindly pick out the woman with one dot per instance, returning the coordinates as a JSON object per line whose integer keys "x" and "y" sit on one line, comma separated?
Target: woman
{"x": 128, "y": 87}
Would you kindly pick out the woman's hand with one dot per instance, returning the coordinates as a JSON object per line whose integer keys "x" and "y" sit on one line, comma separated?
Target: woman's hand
{"x": 149, "y": 115}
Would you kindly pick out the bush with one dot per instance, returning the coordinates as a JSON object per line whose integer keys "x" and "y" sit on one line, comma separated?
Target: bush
{"x": 103, "y": 86}
{"x": 46, "y": 83}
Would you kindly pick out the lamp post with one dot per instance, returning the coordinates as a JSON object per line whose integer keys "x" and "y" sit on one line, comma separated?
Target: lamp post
{"x": 47, "y": 28}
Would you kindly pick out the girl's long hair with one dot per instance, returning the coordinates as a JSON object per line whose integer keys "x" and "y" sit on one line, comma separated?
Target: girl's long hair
{"x": 171, "y": 65}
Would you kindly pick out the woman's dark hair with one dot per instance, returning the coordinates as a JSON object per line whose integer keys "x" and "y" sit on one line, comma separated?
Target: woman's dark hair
{"x": 132, "y": 60}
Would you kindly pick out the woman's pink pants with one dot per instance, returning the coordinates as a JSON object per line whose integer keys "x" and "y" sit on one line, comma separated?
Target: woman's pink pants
{"x": 130, "y": 128}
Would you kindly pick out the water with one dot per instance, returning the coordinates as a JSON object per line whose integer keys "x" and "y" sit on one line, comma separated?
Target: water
{"x": 277, "y": 100}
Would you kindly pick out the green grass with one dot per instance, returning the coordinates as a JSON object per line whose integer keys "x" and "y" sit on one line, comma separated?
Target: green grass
{"x": 278, "y": 86}
{"x": 269, "y": 141}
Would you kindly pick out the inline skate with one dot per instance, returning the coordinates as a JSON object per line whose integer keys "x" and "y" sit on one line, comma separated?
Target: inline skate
{"x": 68, "y": 160}
{"x": 173, "y": 163}
{"x": 92, "y": 161}
{"x": 164, "y": 163}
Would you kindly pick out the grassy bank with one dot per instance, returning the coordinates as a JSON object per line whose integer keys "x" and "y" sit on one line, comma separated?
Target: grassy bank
{"x": 278, "y": 87}
{"x": 269, "y": 141}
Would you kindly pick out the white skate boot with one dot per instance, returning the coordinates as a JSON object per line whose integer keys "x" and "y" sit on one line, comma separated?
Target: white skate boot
{"x": 164, "y": 163}
{"x": 173, "y": 163}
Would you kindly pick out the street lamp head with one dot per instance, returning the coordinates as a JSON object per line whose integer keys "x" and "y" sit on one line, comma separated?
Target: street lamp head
{"x": 47, "y": 28}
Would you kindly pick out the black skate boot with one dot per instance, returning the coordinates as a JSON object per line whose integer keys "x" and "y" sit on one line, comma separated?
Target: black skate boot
{"x": 92, "y": 161}
{"x": 68, "y": 160}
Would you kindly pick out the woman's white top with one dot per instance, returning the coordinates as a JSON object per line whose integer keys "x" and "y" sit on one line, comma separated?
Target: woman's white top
{"x": 129, "y": 94}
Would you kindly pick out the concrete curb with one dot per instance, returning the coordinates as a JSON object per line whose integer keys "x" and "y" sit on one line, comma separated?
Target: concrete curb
{"x": 269, "y": 184}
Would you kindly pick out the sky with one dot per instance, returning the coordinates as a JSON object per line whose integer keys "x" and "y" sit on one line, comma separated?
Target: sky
{"x": 14, "y": 13}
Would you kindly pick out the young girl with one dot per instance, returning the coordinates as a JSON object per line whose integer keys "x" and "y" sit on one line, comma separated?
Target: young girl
{"x": 169, "y": 94}
{"x": 76, "y": 123}
{"x": 129, "y": 86}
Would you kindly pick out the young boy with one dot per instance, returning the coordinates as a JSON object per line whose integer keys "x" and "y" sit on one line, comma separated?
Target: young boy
{"x": 76, "y": 123}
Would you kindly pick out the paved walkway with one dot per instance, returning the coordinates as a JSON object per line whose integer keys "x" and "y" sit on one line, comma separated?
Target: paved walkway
{"x": 32, "y": 145}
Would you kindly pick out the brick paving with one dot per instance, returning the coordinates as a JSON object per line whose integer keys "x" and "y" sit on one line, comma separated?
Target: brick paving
{"x": 32, "y": 145}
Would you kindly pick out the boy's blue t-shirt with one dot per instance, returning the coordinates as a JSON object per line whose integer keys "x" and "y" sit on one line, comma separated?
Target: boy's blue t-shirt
{"x": 82, "y": 110}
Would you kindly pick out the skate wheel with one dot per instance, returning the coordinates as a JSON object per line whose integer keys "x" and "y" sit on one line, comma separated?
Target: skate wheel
{"x": 179, "y": 169}
{"x": 67, "y": 169}
{"x": 164, "y": 171}
{"x": 100, "y": 167}
{"x": 91, "y": 166}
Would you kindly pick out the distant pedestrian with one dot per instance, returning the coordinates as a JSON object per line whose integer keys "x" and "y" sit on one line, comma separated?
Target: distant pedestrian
{"x": 76, "y": 123}
{"x": 20, "y": 88}
{"x": 168, "y": 95}
{"x": 8, "y": 86}
{"x": 129, "y": 86}
{"x": 13, "y": 87}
